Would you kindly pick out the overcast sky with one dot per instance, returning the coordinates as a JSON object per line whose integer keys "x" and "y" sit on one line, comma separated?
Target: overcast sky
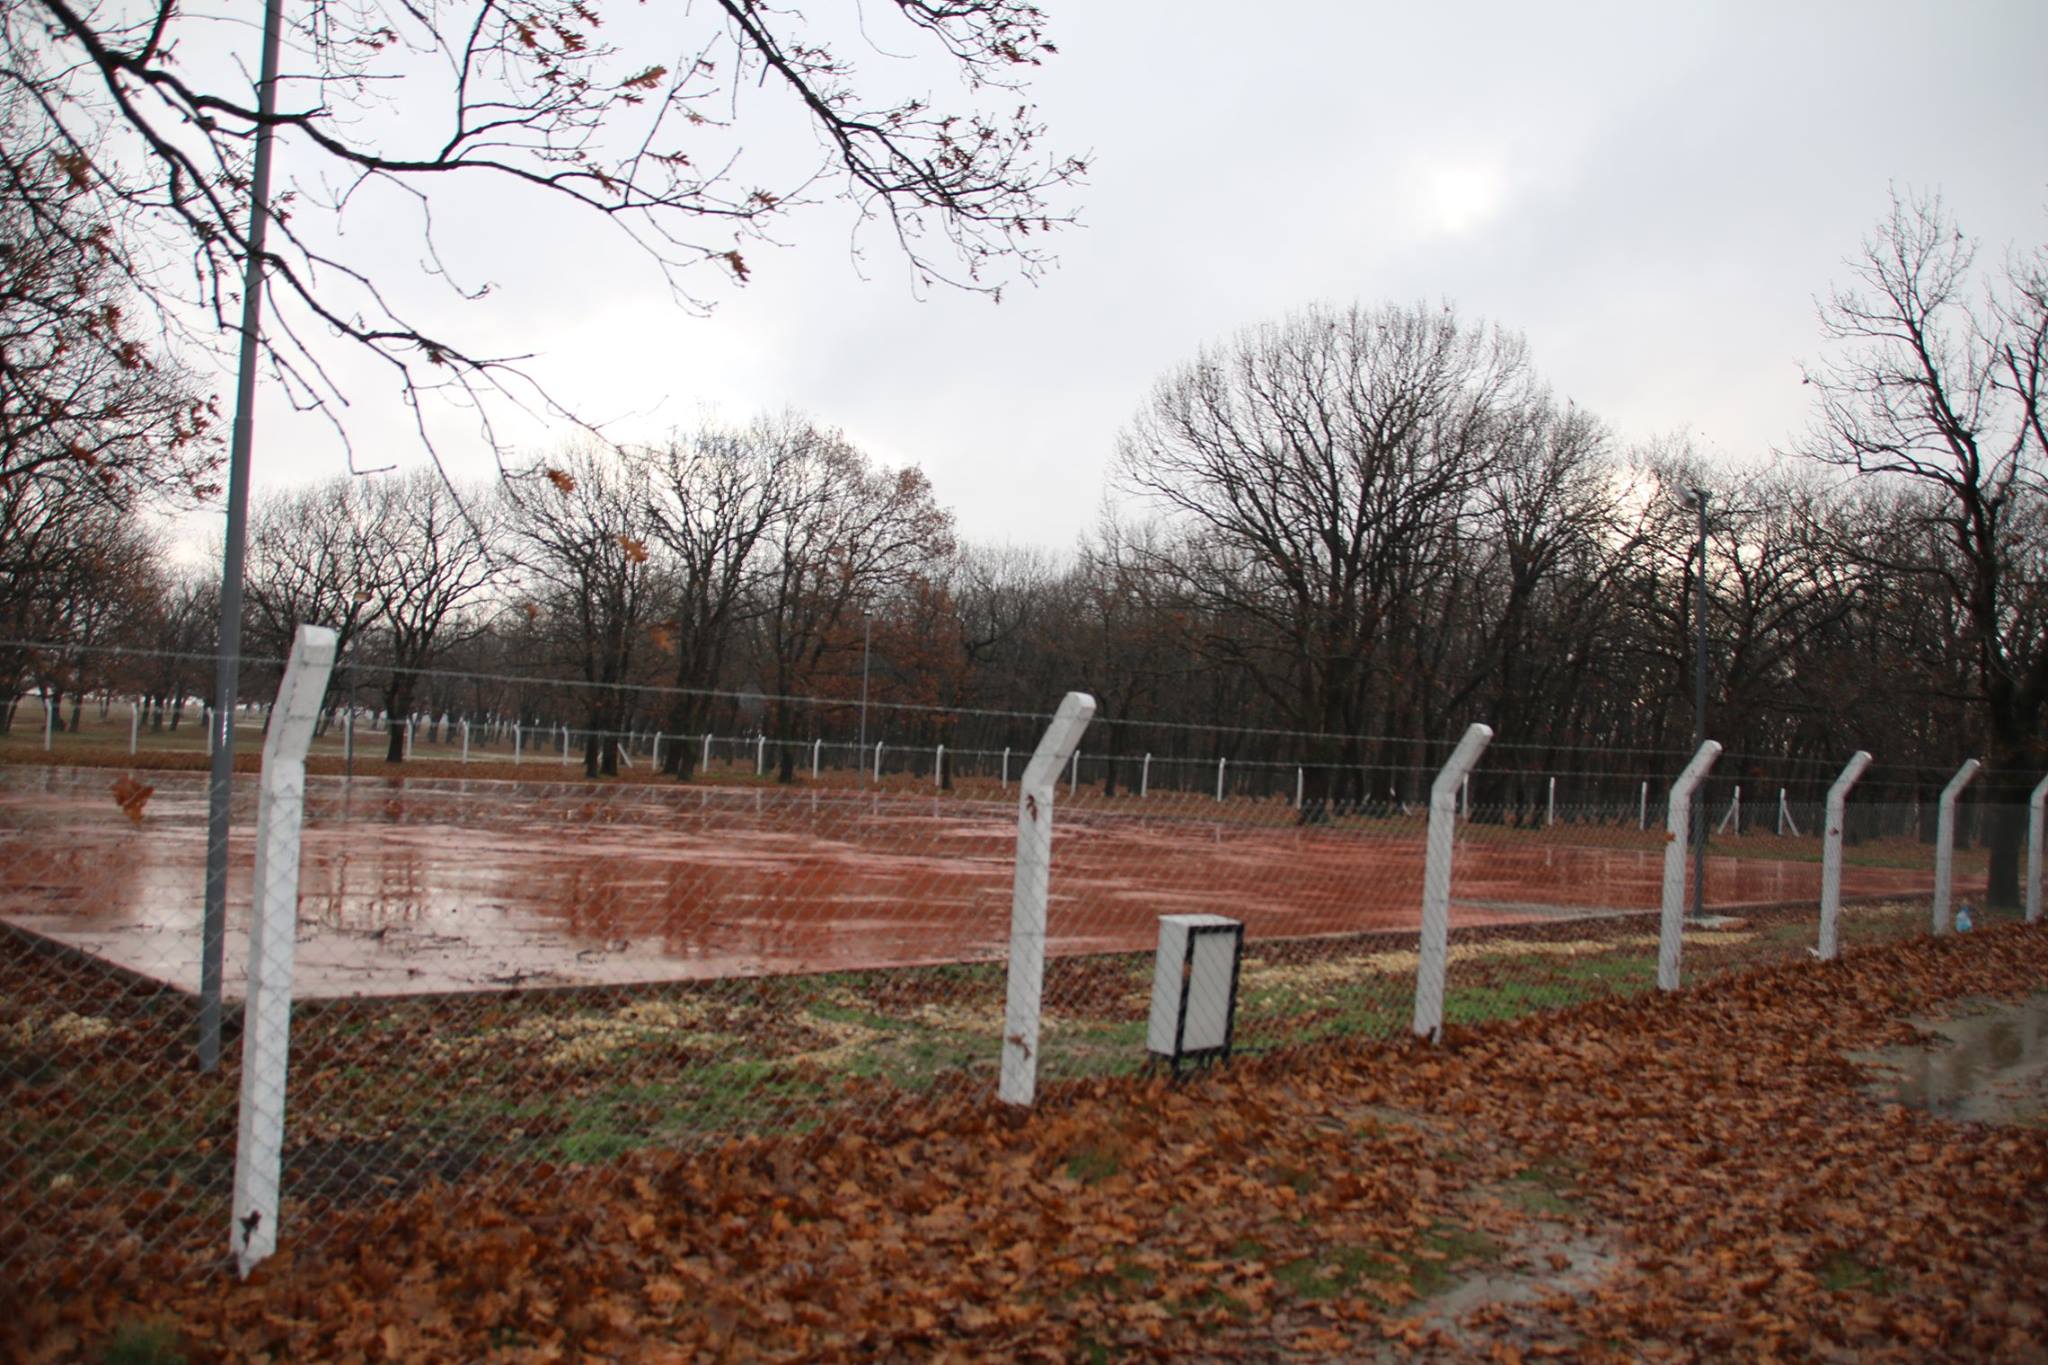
{"x": 1653, "y": 194}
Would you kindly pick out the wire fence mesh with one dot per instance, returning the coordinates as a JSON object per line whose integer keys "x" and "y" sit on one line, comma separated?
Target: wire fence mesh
{"x": 502, "y": 968}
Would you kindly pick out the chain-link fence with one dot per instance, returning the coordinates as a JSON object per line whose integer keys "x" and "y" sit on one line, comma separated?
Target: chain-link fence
{"x": 500, "y": 967}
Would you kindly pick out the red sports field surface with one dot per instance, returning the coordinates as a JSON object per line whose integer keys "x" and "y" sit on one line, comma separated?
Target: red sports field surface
{"x": 437, "y": 885}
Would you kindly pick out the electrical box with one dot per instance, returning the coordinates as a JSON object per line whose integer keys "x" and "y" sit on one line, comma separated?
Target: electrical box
{"x": 1194, "y": 988}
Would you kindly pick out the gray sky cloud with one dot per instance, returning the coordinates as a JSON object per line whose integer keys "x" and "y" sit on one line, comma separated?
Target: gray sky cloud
{"x": 1653, "y": 194}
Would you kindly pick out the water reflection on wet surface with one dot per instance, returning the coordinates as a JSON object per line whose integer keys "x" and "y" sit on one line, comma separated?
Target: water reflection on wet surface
{"x": 459, "y": 885}
{"x": 1982, "y": 1066}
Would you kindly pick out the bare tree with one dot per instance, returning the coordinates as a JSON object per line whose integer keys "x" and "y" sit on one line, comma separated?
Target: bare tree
{"x": 1320, "y": 466}
{"x": 852, "y": 532}
{"x": 313, "y": 560}
{"x": 434, "y": 565}
{"x": 86, "y": 402}
{"x": 717, "y": 493}
{"x": 1935, "y": 378}
{"x": 581, "y": 527}
{"x": 399, "y": 109}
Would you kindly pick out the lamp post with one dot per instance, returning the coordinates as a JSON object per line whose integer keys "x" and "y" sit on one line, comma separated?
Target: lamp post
{"x": 1697, "y": 498}
{"x": 228, "y": 670}
{"x": 867, "y": 638}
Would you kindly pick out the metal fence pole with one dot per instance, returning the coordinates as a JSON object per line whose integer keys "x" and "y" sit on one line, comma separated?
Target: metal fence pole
{"x": 1831, "y": 853}
{"x": 1021, "y": 1013}
{"x": 1434, "y": 950}
{"x": 2035, "y": 804}
{"x": 273, "y": 931}
{"x": 1945, "y": 843}
{"x": 1678, "y": 829}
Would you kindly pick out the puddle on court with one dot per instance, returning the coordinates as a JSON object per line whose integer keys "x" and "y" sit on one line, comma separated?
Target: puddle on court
{"x": 1987, "y": 1065}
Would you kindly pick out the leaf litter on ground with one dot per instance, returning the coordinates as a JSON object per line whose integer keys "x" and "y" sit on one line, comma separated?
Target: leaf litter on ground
{"x": 1698, "y": 1177}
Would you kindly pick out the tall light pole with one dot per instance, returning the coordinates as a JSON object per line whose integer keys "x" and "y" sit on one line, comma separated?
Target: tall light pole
{"x": 867, "y": 638}
{"x": 1698, "y": 499}
{"x": 227, "y": 679}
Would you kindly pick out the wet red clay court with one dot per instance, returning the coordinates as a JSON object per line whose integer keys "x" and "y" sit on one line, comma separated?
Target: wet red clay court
{"x": 426, "y": 886}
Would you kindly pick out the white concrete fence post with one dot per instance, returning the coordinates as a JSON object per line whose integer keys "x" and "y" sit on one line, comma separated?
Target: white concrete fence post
{"x": 565, "y": 746}
{"x": 1643, "y": 807}
{"x": 1300, "y": 788}
{"x": 761, "y": 754}
{"x": 654, "y": 755}
{"x": 1831, "y": 854}
{"x": 1006, "y": 767}
{"x": 1436, "y": 881}
{"x": 515, "y": 743}
{"x": 939, "y": 767}
{"x": 1945, "y": 843}
{"x": 2035, "y": 820}
{"x": 878, "y": 761}
{"x": 704, "y": 759}
{"x": 1550, "y": 806}
{"x": 1145, "y": 777}
{"x": 273, "y": 933}
{"x": 1074, "y": 774}
{"x": 1677, "y": 834}
{"x": 49, "y": 717}
{"x": 817, "y": 749}
{"x": 465, "y": 741}
{"x": 1465, "y": 797}
{"x": 1019, "y": 1081}
{"x": 1785, "y": 820}
{"x": 1734, "y": 815}
{"x": 1222, "y": 767}
{"x": 134, "y": 726}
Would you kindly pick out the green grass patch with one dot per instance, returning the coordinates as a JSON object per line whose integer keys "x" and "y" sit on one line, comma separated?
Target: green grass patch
{"x": 1337, "y": 1274}
{"x": 1842, "y": 1272}
{"x": 1092, "y": 1165}
{"x": 142, "y": 1343}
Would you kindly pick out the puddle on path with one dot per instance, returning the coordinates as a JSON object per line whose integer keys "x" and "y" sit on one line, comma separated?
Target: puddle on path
{"x": 1988, "y": 1065}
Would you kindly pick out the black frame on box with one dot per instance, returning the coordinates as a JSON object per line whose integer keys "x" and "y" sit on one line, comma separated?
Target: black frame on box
{"x": 1187, "y": 985}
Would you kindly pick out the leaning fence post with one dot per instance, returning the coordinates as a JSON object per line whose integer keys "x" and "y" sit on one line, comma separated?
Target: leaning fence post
{"x": 273, "y": 931}
{"x": 1019, "y": 1082}
{"x": 1222, "y": 764}
{"x": 1677, "y": 834}
{"x": 1945, "y": 842}
{"x": 1145, "y": 777}
{"x": 1006, "y": 767}
{"x": 939, "y": 766}
{"x": 1831, "y": 852}
{"x": 817, "y": 748}
{"x": 1436, "y": 881}
{"x": 2035, "y": 803}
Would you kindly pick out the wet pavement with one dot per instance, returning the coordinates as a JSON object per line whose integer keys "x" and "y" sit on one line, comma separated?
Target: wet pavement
{"x": 419, "y": 886}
